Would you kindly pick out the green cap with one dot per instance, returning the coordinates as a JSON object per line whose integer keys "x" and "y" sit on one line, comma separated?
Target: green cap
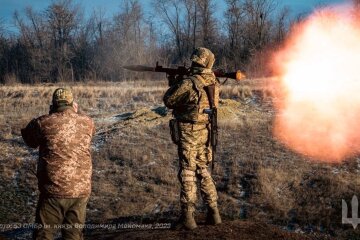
{"x": 62, "y": 96}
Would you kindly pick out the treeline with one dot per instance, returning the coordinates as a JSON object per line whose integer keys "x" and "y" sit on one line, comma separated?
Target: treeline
{"x": 60, "y": 43}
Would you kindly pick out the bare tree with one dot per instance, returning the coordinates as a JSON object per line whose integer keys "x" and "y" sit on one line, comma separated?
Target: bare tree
{"x": 170, "y": 13}
{"x": 281, "y": 25}
{"x": 250, "y": 27}
{"x": 34, "y": 41}
{"x": 190, "y": 25}
{"x": 100, "y": 24}
{"x": 234, "y": 17}
{"x": 206, "y": 9}
{"x": 2, "y": 27}
{"x": 62, "y": 18}
{"x": 4, "y": 58}
{"x": 258, "y": 22}
{"x": 126, "y": 41}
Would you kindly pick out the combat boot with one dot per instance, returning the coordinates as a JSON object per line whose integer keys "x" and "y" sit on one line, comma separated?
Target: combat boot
{"x": 213, "y": 216}
{"x": 189, "y": 220}
{"x": 186, "y": 220}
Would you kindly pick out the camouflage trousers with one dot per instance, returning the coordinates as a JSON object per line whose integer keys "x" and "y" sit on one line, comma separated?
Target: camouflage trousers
{"x": 65, "y": 214}
{"x": 195, "y": 155}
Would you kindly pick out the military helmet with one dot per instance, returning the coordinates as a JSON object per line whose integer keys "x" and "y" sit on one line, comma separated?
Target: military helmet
{"x": 62, "y": 96}
{"x": 204, "y": 57}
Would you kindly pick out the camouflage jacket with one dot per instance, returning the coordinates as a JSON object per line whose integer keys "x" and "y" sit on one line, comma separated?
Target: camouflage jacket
{"x": 188, "y": 99}
{"x": 64, "y": 166}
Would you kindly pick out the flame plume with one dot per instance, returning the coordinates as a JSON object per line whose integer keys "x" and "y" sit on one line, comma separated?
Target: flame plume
{"x": 319, "y": 85}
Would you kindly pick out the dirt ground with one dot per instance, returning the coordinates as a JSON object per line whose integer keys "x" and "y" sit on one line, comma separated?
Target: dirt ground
{"x": 245, "y": 230}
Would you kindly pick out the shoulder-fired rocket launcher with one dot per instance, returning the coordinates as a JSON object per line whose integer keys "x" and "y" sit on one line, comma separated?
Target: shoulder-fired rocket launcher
{"x": 182, "y": 70}
{"x": 210, "y": 91}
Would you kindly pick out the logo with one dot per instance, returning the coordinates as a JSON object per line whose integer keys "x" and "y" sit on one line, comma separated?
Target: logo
{"x": 354, "y": 220}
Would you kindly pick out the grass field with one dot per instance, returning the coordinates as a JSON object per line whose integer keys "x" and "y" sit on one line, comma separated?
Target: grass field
{"x": 135, "y": 163}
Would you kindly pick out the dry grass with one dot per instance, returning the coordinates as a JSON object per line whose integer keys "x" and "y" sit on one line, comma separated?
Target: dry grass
{"x": 135, "y": 163}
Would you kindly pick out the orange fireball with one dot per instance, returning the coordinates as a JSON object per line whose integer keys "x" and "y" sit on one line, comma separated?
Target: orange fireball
{"x": 319, "y": 82}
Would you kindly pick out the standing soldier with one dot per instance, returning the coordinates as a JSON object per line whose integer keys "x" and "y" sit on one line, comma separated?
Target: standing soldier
{"x": 64, "y": 167}
{"x": 190, "y": 101}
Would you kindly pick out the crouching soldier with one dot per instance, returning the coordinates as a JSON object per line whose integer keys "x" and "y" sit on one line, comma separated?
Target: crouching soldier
{"x": 64, "y": 166}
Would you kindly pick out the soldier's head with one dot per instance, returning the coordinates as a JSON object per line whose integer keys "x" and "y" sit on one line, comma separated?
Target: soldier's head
{"x": 202, "y": 57}
{"x": 62, "y": 97}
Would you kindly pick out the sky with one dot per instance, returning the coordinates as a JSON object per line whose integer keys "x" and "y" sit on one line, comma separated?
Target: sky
{"x": 112, "y": 6}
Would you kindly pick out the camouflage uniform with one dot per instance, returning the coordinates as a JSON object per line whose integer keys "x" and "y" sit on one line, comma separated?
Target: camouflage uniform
{"x": 188, "y": 99}
{"x": 64, "y": 165}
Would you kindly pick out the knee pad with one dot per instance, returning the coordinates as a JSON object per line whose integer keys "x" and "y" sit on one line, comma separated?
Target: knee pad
{"x": 186, "y": 175}
{"x": 204, "y": 173}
